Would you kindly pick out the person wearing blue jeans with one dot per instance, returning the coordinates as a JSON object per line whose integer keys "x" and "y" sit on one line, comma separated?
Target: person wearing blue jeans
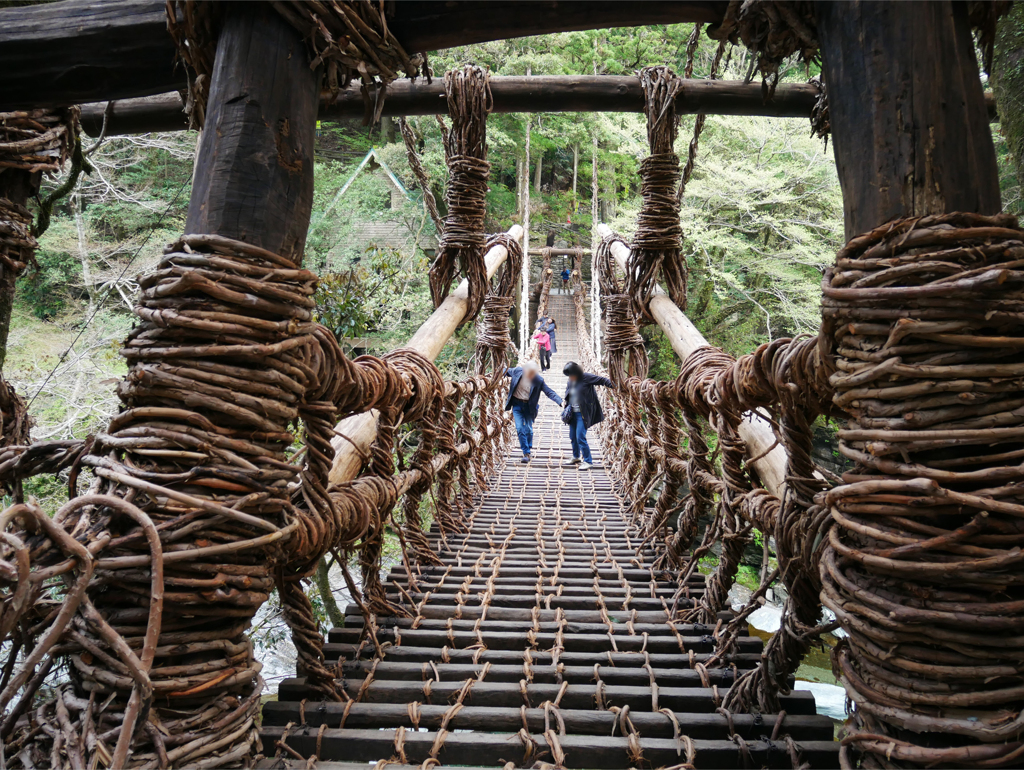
{"x": 586, "y": 411}
{"x": 524, "y": 400}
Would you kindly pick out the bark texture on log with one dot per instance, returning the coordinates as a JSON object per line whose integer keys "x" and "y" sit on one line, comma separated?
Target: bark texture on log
{"x": 1008, "y": 83}
{"x": 909, "y": 122}
{"x": 85, "y": 50}
{"x": 254, "y": 170}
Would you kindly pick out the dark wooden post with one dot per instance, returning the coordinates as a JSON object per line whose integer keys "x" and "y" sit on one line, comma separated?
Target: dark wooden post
{"x": 909, "y": 122}
{"x": 254, "y": 170}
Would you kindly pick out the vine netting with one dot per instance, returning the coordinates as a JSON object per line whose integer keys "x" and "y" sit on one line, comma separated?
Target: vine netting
{"x": 915, "y": 550}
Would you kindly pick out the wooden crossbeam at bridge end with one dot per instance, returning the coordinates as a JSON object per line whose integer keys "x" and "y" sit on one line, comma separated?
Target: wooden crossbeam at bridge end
{"x": 360, "y": 430}
{"x": 685, "y": 339}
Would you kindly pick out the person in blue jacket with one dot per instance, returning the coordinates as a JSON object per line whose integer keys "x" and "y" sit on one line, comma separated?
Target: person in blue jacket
{"x": 586, "y": 411}
{"x": 566, "y": 275}
{"x": 524, "y": 400}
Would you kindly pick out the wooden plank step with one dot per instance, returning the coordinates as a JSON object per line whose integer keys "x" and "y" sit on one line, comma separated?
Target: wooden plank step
{"x": 809, "y": 727}
{"x": 539, "y": 657}
{"x": 529, "y": 599}
{"x": 488, "y": 625}
{"x": 545, "y": 674}
{"x": 603, "y": 573}
{"x": 581, "y": 751}
{"x": 519, "y": 640}
{"x": 545, "y": 616}
{"x": 576, "y": 696}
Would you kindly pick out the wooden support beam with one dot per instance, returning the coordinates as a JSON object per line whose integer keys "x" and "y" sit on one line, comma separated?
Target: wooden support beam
{"x": 358, "y": 431}
{"x": 427, "y": 25}
{"x": 571, "y": 93}
{"x": 601, "y": 752}
{"x": 18, "y": 187}
{"x": 585, "y": 722}
{"x": 254, "y": 170}
{"x": 79, "y": 51}
{"x": 917, "y": 140}
{"x": 684, "y": 338}
{"x": 56, "y": 54}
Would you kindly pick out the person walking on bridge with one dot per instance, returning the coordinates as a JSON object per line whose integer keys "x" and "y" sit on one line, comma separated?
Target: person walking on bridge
{"x": 543, "y": 347}
{"x": 524, "y": 400}
{"x": 585, "y": 412}
{"x": 547, "y": 323}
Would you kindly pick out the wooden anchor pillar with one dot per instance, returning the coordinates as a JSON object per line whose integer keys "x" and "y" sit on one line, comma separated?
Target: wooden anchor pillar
{"x": 254, "y": 170}
{"x": 912, "y": 141}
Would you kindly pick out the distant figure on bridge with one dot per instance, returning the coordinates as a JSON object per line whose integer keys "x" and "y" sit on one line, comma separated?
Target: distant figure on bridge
{"x": 544, "y": 348}
{"x": 547, "y": 323}
{"x": 586, "y": 411}
{"x": 565, "y": 279}
{"x": 524, "y": 401}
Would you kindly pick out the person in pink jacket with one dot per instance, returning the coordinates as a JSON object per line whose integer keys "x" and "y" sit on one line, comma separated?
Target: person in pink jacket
{"x": 544, "y": 345}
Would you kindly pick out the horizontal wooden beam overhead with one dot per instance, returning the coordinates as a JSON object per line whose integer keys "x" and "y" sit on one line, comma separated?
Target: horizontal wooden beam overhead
{"x": 78, "y": 51}
{"x": 571, "y": 93}
{"x": 567, "y": 93}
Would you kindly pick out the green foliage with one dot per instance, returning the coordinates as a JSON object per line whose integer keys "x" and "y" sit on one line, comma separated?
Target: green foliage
{"x": 57, "y": 280}
{"x": 354, "y": 302}
{"x": 1008, "y": 84}
{"x": 762, "y": 219}
{"x": 748, "y": 577}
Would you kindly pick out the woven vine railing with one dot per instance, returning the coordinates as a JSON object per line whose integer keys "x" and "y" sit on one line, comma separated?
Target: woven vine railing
{"x": 916, "y": 550}
{"x": 660, "y": 430}
{"x": 196, "y": 513}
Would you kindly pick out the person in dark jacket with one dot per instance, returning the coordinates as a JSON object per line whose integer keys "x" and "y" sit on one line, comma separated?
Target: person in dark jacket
{"x": 566, "y": 275}
{"x": 586, "y": 411}
{"x": 524, "y": 400}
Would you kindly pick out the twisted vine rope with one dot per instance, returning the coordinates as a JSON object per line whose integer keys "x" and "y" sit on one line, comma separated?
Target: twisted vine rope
{"x": 180, "y": 536}
{"x": 772, "y": 29}
{"x": 409, "y": 138}
{"x": 922, "y": 564}
{"x": 469, "y": 102}
{"x": 656, "y": 246}
{"x": 698, "y": 123}
{"x": 197, "y": 513}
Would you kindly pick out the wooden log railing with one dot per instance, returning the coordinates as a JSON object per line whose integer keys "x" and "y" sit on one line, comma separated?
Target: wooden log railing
{"x": 769, "y": 457}
{"x": 356, "y": 433}
{"x": 778, "y": 499}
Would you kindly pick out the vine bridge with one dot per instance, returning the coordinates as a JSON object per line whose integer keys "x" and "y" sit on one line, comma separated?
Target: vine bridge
{"x": 546, "y": 617}
{"x": 543, "y": 630}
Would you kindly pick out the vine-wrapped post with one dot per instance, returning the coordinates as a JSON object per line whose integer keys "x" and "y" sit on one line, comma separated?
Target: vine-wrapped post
{"x": 32, "y": 143}
{"x": 922, "y": 316}
{"x": 192, "y": 516}
{"x": 657, "y": 244}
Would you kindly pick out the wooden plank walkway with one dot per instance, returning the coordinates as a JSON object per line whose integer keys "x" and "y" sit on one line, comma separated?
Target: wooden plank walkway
{"x": 543, "y": 640}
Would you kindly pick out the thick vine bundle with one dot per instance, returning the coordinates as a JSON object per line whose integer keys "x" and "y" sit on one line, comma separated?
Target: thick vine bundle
{"x": 656, "y": 249}
{"x": 462, "y": 243}
{"x": 923, "y": 563}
